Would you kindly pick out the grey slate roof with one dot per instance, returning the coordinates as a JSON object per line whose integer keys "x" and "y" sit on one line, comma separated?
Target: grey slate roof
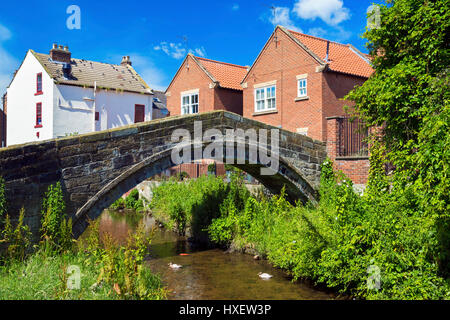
{"x": 83, "y": 73}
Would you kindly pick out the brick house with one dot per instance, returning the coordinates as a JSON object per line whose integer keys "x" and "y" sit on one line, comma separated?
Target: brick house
{"x": 297, "y": 81}
{"x": 202, "y": 85}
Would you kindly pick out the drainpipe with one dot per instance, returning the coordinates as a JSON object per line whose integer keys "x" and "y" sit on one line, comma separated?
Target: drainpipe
{"x": 93, "y": 107}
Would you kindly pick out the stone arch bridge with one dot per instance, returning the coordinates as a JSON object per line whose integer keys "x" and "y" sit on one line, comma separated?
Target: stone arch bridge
{"x": 97, "y": 168}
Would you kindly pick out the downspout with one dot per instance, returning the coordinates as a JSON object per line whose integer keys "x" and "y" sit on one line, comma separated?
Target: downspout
{"x": 93, "y": 107}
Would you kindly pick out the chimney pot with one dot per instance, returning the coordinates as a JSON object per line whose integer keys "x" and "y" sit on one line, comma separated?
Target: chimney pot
{"x": 60, "y": 53}
{"x": 126, "y": 61}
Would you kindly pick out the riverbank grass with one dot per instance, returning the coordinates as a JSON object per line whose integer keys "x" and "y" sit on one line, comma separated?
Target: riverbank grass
{"x": 59, "y": 268}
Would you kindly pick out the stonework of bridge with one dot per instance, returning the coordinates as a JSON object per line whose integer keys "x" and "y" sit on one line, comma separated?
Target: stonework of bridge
{"x": 96, "y": 169}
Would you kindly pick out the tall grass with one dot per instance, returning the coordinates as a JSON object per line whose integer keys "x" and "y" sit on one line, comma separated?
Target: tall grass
{"x": 193, "y": 204}
{"x": 108, "y": 271}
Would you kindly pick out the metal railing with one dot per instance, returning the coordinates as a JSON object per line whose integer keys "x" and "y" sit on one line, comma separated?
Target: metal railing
{"x": 352, "y": 138}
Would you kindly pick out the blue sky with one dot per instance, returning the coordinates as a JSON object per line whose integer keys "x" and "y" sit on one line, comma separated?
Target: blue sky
{"x": 158, "y": 34}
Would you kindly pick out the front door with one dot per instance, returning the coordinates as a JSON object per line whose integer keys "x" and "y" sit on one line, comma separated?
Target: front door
{"x": 139, "y": 113}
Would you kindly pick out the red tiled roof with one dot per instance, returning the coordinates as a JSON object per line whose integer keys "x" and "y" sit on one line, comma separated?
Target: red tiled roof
{"x": 228, "y": 75}
{"x": 342, "y": 57}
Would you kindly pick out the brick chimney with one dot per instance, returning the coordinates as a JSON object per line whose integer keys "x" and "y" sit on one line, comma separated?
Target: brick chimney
{"x": 126, "y": 61}
{"x": 60, "y": 53}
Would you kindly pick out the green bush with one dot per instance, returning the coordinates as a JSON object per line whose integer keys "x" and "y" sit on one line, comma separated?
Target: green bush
{"x": 182, "y": 176}
{"x": 132, "y": 201}
{"x": 194, "y": 203}
{"x": 119, "y": 204}
{"x": 17, "y": 239}
{"x": 56, "y": 228}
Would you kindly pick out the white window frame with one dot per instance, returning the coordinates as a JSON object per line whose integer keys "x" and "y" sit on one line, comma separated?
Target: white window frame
{"x": 272, "y": 100}
{"x": 191, "y": 106}
{"x": 302, "y": 90}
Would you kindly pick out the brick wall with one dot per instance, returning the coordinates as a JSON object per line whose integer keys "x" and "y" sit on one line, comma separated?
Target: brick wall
{"x": 228, "y": 99}
{"x": 335, "y": 87}
{"x": 356, "y": 168}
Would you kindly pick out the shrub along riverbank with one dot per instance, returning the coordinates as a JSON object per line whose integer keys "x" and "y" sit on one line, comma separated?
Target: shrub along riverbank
{"x": 49, "y": 270}
{"x": 374, "y": 247}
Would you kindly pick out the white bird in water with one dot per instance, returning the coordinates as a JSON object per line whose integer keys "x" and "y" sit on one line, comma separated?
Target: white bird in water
{"x": 264, "y": 276}
{"x": 174, "y": 266}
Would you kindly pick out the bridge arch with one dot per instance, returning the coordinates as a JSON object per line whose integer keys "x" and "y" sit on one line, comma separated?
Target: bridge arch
{"x": 296, "y": 186}
{"x": 95, "y": 168}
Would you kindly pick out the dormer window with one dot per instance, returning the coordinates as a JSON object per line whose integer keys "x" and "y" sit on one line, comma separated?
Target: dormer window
{"x": 38, "y": 84}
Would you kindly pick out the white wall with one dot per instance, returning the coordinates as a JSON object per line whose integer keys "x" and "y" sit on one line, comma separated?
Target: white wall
{"x": 119, "y": 107}
{"x": 22, "y": 101}
{"x": 72, "y": 113}
{"x": 74, "y": 109}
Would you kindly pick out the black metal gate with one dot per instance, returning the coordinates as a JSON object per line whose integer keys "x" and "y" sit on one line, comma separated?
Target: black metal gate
{"x": 352, "y": 138}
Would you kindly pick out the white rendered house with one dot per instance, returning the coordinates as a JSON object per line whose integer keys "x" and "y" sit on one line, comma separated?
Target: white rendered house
{"x": 53, "y": 95}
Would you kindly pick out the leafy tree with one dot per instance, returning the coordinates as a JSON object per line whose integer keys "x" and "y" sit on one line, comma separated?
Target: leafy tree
{"x": 408, "y": 96}
{"x": 408, "y": 51}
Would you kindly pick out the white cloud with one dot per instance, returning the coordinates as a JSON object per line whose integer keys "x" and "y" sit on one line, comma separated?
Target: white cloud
{"x": 331, "y": 12}
{"x": 177, "y": 50}
{"x": 282, "y": 16}
{"x": 201, "y": 52}
{"x": 174, "y": 50}
{"x": 235, "y": 7}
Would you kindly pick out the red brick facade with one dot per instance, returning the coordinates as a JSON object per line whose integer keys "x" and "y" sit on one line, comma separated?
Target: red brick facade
{"x": 195, "y": 170}
{"x": 211, "y": 95}
{"x": 281, "y": 61}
